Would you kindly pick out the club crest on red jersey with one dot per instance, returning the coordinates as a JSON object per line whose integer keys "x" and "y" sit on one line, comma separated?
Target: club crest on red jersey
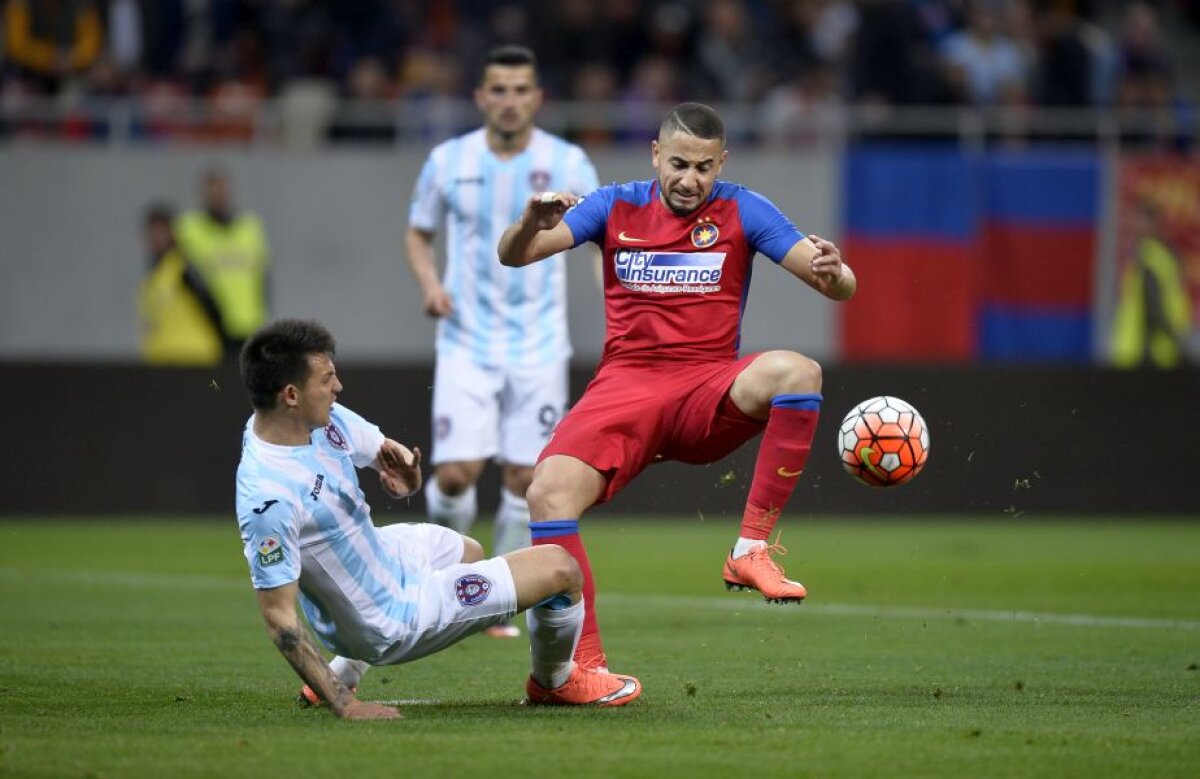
{"x": 472, "y": 589}
{"x": 705, "y": 234}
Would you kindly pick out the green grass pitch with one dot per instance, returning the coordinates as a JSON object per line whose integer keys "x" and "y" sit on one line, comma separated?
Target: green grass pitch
{"x": 927, "y": 648}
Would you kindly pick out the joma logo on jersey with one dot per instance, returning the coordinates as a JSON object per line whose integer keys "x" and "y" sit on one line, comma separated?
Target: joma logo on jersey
{"x": 647, "y": 271}
{"x": 317, "y": 485}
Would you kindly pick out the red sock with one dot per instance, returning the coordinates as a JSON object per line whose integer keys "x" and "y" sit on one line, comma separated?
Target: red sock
{"x": 565, "y": 533}
{"x": 782, "y": 455}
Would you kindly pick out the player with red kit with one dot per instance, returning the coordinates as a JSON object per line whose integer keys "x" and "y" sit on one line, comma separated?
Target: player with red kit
{"x": 670, "y": 384}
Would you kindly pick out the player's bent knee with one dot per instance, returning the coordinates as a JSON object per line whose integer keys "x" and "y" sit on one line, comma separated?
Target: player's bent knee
{"x": 517, "y": 479}
{"x": 472, "y": 550}
{"x": 541, "y": 572}
{"x": 792, "y": 372}
{"x": 454, "y": 479}
{"x": 543, "y": 494}
{"x": 563, "y": 491}
{"x": 571, "y": 572}
{"x": 811, "y": 376}
{"x": 562, "y": 571}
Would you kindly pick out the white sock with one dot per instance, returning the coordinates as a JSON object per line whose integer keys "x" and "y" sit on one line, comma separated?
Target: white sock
{"x": 745, "y": 545}
{"x": 457, "y": 513}
{"x": 349, "y": 671}
{"x": 553, "y": 634}
{"x": 512, "y": 524}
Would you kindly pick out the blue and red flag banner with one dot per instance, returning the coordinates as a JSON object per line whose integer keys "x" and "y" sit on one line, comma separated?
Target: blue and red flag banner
{"x": 1040, "y": 249}
{"x": 910, "y": 229}
{"x": 964, "y": 256}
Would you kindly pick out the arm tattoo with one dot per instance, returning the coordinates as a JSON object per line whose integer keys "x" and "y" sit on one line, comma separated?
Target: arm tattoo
{"x": 289, "y": 639}
{"x": 298, "y": 649}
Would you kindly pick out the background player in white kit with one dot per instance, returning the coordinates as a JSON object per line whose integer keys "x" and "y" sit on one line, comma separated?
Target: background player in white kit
{"x": 377, "y": 596}
{"x": 500, "y": 385}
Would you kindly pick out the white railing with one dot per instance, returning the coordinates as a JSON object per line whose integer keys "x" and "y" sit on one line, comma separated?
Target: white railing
{"x": 316, "y": 121}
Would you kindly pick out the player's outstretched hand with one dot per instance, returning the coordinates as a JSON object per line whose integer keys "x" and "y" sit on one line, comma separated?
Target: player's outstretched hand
{"x": 546, "y": 210}
{"x": 367, "y": 710}
{"x": 399, "y": 469}
{"x": 827, "y": 264}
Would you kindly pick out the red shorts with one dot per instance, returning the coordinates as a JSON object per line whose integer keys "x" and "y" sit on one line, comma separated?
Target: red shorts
{"x": 632, "y": 416}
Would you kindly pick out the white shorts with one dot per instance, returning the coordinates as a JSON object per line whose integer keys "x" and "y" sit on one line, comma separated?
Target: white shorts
{"x": 454, "y": 599}
{"x": 507, "y": 413}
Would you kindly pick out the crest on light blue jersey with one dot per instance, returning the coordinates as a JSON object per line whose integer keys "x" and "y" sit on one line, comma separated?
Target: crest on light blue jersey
{"x": 335, "y": 436}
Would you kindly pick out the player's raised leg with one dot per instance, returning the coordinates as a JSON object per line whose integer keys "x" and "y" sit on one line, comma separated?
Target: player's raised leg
{"x": 548, "y": 584}
{"x": 563, "y": 488}
{"x": 784, "y": 388}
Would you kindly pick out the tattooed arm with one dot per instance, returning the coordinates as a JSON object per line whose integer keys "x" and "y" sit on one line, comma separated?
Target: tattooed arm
{"x": 296, "y": 645}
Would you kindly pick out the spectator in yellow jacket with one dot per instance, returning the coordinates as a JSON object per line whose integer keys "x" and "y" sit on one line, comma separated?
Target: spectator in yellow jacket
{"x": 180, "y": 322}
{"x": 229, "y": 249}
{"x": 1153, "y": 316}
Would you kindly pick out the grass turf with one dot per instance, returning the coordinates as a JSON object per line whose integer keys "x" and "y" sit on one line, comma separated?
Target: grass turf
{"x": 993, "y": 648}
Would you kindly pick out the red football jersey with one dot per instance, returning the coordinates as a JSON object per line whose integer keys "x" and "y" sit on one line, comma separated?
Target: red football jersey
{"x": 675, "y": 286}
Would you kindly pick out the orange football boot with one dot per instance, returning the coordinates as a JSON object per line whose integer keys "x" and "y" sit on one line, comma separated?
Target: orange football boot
{"x": 585, "y": 688}
{"x": 757, "y": 571}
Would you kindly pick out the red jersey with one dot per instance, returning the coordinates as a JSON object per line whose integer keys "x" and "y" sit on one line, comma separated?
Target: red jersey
{"x": 675, "y": 286}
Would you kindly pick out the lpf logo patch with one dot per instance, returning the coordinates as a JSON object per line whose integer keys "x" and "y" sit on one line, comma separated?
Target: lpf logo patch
{"x": 705, "y": 234}
{"x": 270, "y": 551}
{"x": 539, "y": 180}
{"x": 441, "y": 427}
{"x": 472, "y": 589}
{"x": 335, "y": 436}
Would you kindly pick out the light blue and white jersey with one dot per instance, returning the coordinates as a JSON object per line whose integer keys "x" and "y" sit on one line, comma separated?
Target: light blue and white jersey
{"x": 502, "y": 316}
{"x": 304, "y": 518}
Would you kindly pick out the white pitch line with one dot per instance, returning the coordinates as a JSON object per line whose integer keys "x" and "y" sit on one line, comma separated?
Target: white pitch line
{"x": 754, "y": 602}
{"x": 134, "y": 579}
{"x": 732, "y": 602}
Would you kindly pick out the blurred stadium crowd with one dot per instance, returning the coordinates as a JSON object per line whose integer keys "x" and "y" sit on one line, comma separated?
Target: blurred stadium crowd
{"x": 788, "y": 56}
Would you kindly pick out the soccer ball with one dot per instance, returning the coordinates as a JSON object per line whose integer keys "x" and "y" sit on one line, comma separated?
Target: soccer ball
{"x": 883, "y": 442}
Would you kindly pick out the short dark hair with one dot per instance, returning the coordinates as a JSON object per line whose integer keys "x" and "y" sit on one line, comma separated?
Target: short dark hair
{"x": 509, "y": 56}
{"x": 695, "y": 119}
{"x": 277, "y": 355}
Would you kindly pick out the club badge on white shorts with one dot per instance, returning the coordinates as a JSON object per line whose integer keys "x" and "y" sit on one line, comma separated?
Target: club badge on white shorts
{"x": 472, "y": 589}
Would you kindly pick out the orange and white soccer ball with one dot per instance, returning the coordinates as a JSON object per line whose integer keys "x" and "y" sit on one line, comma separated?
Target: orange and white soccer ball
{"x": 883, "y": 442}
